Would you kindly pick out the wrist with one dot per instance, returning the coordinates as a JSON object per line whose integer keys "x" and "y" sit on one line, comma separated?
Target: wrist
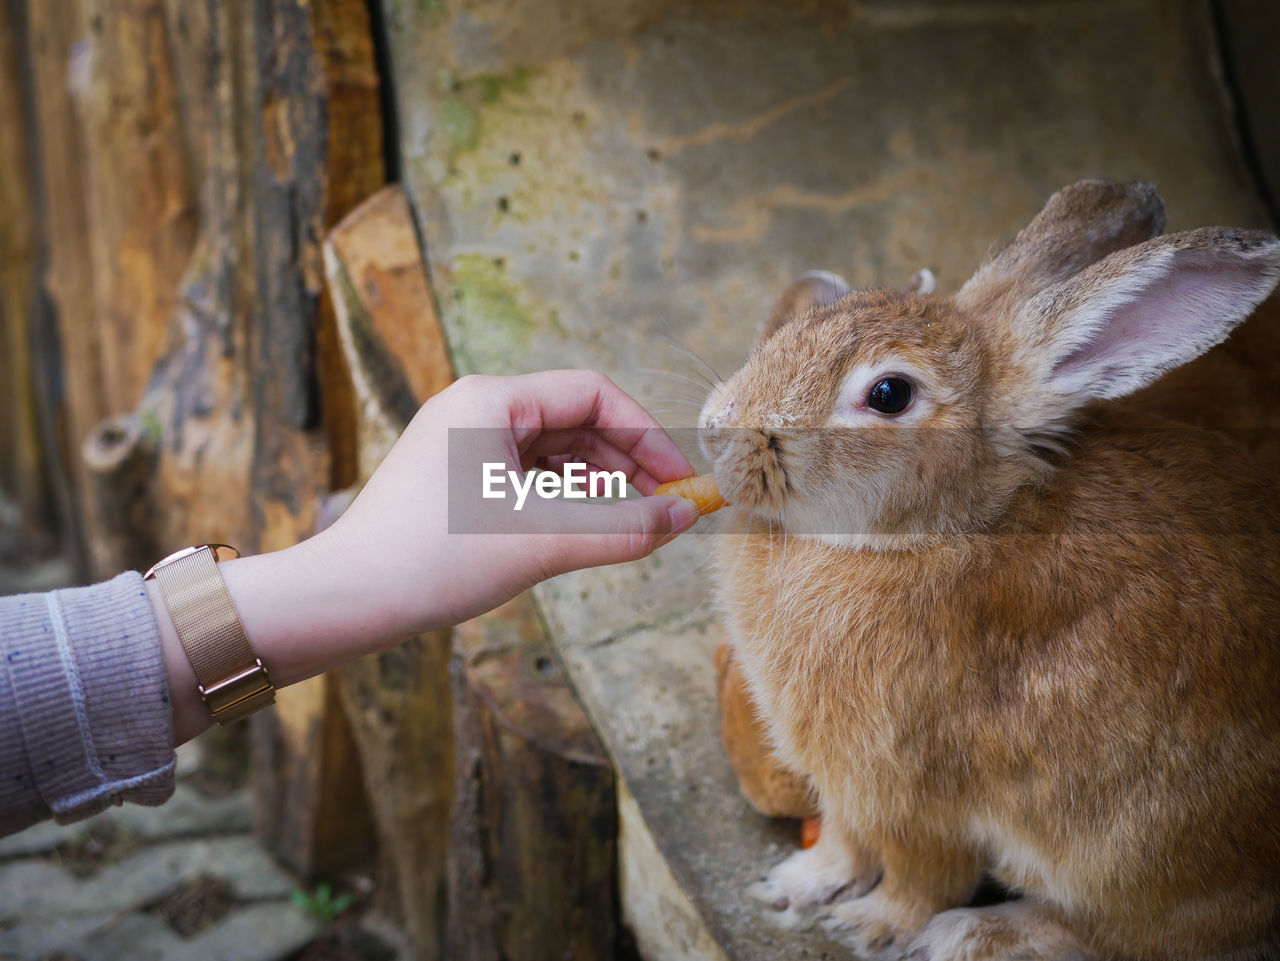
{"x": 190, "y": 715}
{"x": 308, "y": 608}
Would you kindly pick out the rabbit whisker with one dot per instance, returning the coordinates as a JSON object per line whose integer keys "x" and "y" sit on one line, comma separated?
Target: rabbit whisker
{"x": 695, "y": 356}
{"x": 700, "y": 385}
{"x": 669, "y": 395}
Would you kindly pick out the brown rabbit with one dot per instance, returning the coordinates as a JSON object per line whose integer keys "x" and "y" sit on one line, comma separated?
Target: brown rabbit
{"x": 1005, "y": 627}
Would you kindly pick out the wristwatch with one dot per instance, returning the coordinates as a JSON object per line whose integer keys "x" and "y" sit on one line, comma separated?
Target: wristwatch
{"x": 229, "y": 675}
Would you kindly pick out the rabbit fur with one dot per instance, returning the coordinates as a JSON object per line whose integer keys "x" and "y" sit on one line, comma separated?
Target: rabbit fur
{"x": 1026, "y": 626}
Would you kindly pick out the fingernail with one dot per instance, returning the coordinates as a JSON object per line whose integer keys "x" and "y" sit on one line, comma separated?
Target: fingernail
{"x": 683, "y": 513}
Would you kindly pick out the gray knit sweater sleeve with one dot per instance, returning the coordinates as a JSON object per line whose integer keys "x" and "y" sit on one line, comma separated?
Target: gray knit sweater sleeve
{"x": 84, "y": 703}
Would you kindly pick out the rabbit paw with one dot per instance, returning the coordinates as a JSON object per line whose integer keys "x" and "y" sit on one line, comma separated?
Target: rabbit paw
{"x": 876, "y": 926}
{"x": 1015, "y": 929}
{"x": 813, "y": 877}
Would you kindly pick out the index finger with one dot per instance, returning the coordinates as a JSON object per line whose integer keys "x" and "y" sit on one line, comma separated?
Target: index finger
{"x": 561, "y": 399}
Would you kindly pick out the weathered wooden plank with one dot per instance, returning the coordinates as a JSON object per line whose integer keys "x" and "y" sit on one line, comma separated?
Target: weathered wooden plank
{"x": 118, "y": 214}
{"x": 23, "y": 479}
{"x": 533, "y": 838}
{"x": 312, "y": 72}
{"x": 398, "y": 701}
{"x": 139, "y": 192}
{"x": 398, "y": 704}
{"x": 52, "y": 31}
{"x": 387, "y": 320}
{"x": 309, "y": 801}
{"x": 200, "y": 396}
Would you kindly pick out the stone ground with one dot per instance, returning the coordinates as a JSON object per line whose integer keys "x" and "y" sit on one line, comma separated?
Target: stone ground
{"x": 187, "y": 880}
{"x": 95, "y": 890}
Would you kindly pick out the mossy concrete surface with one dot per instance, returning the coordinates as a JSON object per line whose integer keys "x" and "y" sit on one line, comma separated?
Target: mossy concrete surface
{"x": 614, "y": 184}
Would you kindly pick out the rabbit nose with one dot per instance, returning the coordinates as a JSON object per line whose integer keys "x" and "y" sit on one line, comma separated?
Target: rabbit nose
{"x": 720, "y": 416}
{"x": 713, "y": 436}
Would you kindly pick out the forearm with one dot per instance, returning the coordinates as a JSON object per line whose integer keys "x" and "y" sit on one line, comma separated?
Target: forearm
{"x": 305, "y": 610}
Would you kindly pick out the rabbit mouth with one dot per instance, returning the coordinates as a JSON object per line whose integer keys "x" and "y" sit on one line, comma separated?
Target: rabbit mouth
{"x": 751, "y": 467}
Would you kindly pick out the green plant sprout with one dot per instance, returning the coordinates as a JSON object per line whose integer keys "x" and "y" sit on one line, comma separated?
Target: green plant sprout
{"x": 323, "y": 904}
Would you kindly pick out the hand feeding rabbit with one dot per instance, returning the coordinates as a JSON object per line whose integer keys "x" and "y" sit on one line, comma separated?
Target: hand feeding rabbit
{"x": 1002, "y": 623}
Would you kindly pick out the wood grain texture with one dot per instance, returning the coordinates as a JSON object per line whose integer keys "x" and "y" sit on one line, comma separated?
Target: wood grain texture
{"x": 398, "y": 702}
{"x": 23, "y": 479}
{"x": 191, "y": 157}
{"x": 532, "y": 871}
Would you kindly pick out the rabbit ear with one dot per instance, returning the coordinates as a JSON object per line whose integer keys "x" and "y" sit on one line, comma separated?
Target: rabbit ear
{"x": 1118, "y": 325}
{"x": 1081, "y": 224}
{"x": 922, "y": 282}
{"x": 814, "y": 289}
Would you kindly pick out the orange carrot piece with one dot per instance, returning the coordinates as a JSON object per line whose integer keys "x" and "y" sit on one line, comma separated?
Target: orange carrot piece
{"x": 700, "y": 488}
{"x": 810, "y": 828}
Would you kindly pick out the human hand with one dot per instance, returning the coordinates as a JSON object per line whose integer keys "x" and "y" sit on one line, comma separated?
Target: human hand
{"x": 391, "y": 565}
{"x": 430, "y": 574}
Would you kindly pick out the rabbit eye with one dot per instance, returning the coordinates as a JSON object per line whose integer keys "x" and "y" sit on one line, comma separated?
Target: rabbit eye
{"x": 890, "y": 395}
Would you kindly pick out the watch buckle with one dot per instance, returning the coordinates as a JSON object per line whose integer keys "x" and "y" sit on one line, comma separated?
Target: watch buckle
{"x": 240, "y": 694}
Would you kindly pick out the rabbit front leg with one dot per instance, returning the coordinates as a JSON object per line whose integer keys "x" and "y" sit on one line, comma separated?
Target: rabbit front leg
{"x": 837, "y": 864}
{"x": 922, "y": 876}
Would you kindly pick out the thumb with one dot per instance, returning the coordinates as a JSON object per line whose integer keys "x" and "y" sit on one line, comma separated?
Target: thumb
{"x": 625, "y": 531}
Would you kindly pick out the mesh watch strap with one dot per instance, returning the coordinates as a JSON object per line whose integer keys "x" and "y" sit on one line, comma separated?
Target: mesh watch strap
{"x": 229, "y": 675}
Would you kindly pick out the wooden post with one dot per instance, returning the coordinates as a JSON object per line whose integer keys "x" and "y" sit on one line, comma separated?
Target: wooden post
{"x": 192, "y": 154}
{"x": 398, "y": 702}
{"x": 532, "y": 867}
{"x": 315, "y": 96}
{"x": 23, "y": 479}
{"x": 309, "y": 801}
